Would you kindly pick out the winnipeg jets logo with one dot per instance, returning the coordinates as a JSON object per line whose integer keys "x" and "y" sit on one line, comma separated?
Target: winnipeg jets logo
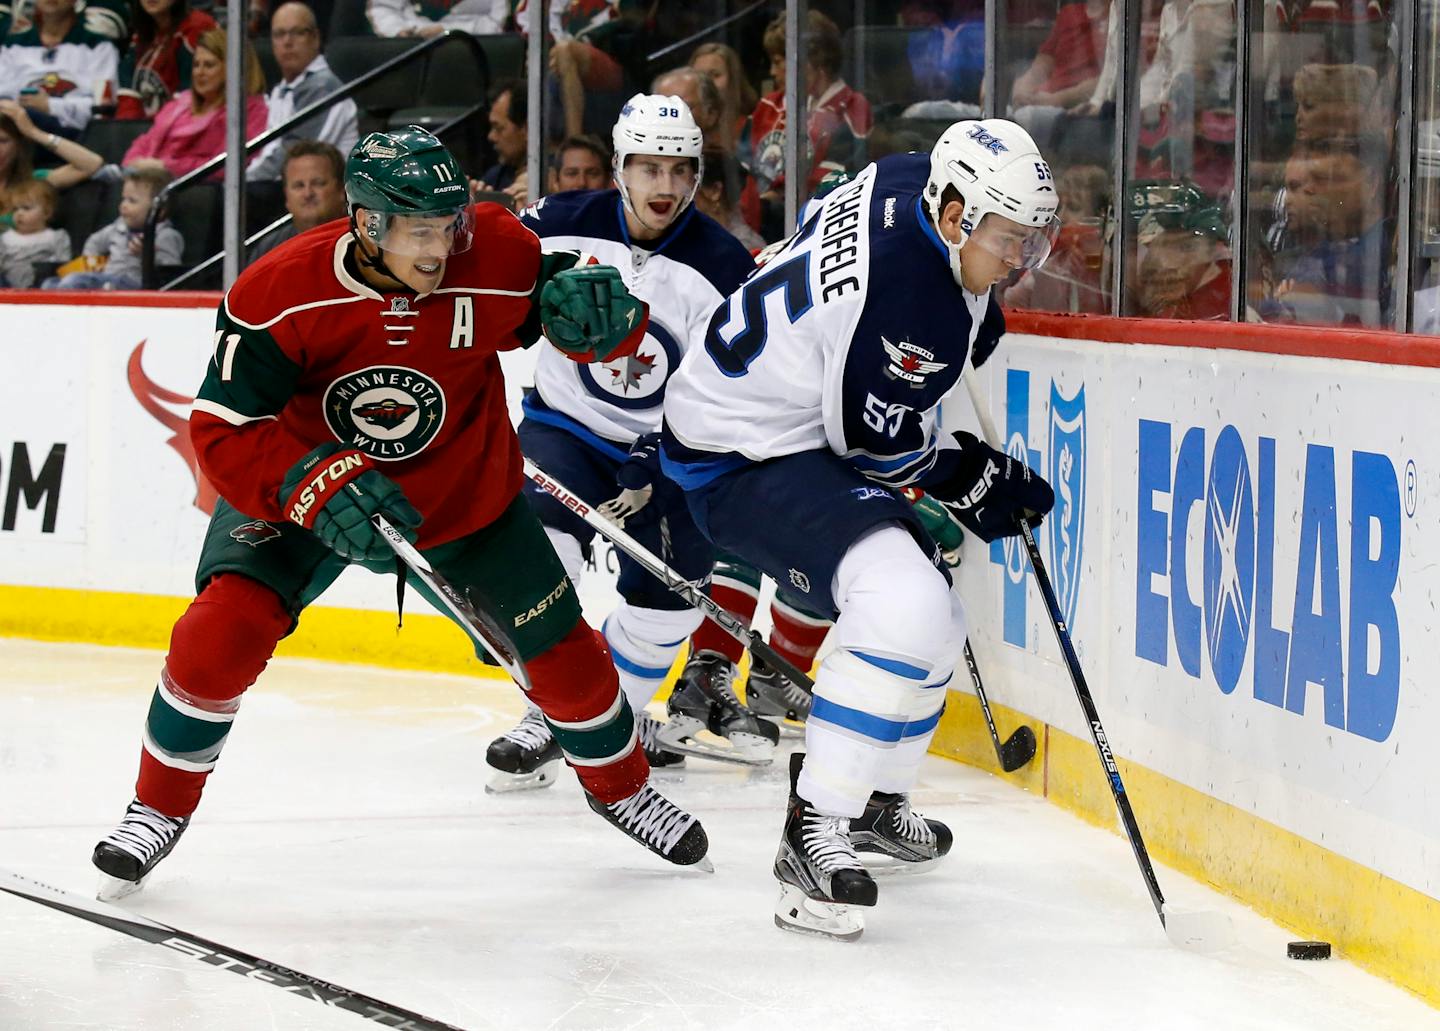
{"x": 994, "y": 144}
{"x": 627, "y": 372}
{"x": 910, "y": 362}
{"x": 869, "y": 493}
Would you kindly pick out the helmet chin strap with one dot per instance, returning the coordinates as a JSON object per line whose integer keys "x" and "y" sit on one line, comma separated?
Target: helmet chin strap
{"x": 952, "y": 250}
{"x": 376, "y": 262}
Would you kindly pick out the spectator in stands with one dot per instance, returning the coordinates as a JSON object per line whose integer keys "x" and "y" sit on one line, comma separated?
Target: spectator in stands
{"x": 162, "y": 51}
{"x": 426, "y": 18}
{"x": 112, "y": 253}
{"x": 839, "y": 121}
{"x": 946, "y": 50}
{"x": 1182, "y": 258}
{"x": 579, "y": 163}
{"x": 314, "y": 178}
{"x": 510, "y": 137}
{"x": 18, "y": 138}
{"x": 589, "y": 41}
{"x": 218, "y": 9}
{"x": 305, "y": 78}
{"x": 1333, "y": 100}
{"x": 190, "y": 130}
{"x": 1072, "y": 279}
{"x": 699, "y": 93}
{"x": 53, "y": 66}
{"x": 1064, "y": 71}
{"x": 1336, "y": 262}
{"x": 718, "y": 197}
{"x": 737, "y": 96}
{"x": 31, "y": 239}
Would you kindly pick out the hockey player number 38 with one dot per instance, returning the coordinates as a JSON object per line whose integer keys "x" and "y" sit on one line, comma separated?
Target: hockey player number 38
{"x": 734, "y": 356}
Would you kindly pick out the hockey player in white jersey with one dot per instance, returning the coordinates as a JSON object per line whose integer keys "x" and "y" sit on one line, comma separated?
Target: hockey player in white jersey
{"x": 814, "y": 393}
{"x": 589, "y": 425}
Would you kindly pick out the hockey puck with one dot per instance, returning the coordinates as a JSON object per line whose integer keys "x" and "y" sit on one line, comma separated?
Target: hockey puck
{"x": 1308, "y": 950}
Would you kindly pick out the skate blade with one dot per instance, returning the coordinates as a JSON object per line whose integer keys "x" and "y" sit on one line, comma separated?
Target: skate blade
{"x": 543, "y": 776}
{"x": 881, "y": 865}
{"x": 681, "y": 734}
{"x": 798, "y": 912}
{"x": 113, "y": 889}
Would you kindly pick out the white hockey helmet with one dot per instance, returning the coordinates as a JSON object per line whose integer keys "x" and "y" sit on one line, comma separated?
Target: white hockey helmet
{"x": 999, "y": 171}
{"x": 656, "y": 125}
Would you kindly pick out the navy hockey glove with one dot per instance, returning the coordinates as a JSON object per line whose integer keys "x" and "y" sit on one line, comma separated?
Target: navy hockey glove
{"x": 590, "y": 316}
{"x": 637, "y": 477}
{"x": 990, "y": 492}
{"x": 333, "y": 493}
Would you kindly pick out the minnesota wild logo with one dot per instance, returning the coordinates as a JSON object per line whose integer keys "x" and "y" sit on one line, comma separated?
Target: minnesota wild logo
{"x": 387, "y": 411}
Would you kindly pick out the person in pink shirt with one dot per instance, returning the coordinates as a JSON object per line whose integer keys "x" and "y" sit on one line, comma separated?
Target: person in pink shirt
{"x": 190, "y": 129}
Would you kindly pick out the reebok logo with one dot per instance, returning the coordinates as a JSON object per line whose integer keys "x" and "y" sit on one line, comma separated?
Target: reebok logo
{"x": 889, "y": 212}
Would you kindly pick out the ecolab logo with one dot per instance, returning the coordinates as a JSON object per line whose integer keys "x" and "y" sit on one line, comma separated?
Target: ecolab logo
{"x": 1350, "y": 651}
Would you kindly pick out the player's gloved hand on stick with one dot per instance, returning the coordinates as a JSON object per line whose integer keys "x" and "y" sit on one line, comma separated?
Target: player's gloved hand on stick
{"x": 333, "y": 492}
{"x": 637, "y": 477}
{"x": 589, "y": 314}
{"x": 990, "y": 492}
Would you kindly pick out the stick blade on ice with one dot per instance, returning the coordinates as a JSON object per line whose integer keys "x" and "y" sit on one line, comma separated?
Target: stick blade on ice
{"x": 1198, "y": 930}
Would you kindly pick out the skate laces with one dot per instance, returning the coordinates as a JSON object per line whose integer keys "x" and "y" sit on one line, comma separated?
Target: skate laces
{"x": 911, "y": 826}
{"x": 530, "y": 732}
{"x": 653, "y": 817}
{"x": 827, "y": 842}
{"x": 143, "y": 832}
{"x": 717, "y": 680}
{"x": 648, "y": 727}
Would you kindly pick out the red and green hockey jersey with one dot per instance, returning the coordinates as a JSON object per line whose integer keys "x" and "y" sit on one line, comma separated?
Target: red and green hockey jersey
{"x": 306, "y": 353}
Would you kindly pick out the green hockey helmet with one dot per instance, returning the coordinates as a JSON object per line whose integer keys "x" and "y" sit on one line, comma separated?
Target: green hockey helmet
{"x": 415, "y": 197}
{"x": 1157, "y": 205}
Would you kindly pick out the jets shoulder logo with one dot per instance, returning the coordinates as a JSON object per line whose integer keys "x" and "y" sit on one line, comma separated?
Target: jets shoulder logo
{"x": 636, "y": 381}
{"x": 386, "y": 411}
{"x": 910, "y": 362}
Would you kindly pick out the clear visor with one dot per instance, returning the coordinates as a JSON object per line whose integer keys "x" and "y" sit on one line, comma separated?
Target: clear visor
{"x": 420, "y": 236}
{"x": 1019, "y": 246}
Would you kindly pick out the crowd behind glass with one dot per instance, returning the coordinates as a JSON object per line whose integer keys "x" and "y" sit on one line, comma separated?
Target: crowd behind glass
{"x": 1326, "y": 171}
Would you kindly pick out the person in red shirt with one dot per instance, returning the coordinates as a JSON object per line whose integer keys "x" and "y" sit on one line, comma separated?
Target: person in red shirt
{"x": 1182, "y": 260}
{"x": 162, "y": 51}
{"x": 1065, "y": 70}
{"x": 838, "y": 121}
{"x": 356, "y": 375}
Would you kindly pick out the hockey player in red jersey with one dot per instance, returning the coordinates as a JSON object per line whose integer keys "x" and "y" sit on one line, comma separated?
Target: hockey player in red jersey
{"x": 356, "y": 374}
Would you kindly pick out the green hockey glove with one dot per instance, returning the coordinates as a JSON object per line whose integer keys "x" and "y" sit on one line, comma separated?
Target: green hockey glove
{"x": 333, "y": 493}
{"x": 590, "y": 316}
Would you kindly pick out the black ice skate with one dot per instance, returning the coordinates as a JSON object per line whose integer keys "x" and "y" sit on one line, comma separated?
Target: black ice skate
{"x": 524, "y": 757}
{"x": 703, "y": 700}
{"x": 127, "y": 854}
{"x": 822, "y": 880}
{"x": 648, "y": 729}
{"x": 890, "y": 828}
{"x": 660, "y": 825}
{"x": 773, "y": 696}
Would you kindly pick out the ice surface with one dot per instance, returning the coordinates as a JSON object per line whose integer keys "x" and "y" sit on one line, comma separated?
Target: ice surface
{"x": 347, "y": 835}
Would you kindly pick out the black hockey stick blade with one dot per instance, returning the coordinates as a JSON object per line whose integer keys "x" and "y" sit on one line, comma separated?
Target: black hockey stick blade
{"x": 213, "y": 954}
{"x": 1018, "y": 749}
{"x": 478, "y": 624}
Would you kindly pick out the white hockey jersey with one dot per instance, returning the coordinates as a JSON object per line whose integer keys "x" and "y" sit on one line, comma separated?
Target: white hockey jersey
{"x": 67, "y": 73}
{"x": 849, "y": 338}
{"x": 682, "y": 277}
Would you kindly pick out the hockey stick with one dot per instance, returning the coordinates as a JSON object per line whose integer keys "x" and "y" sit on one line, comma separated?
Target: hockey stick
{"x": 478, "y": 624}
{"x": 213, "y": 954}
{"x": 1017, "y": 749}
{"x": 688, "y": 590}
{"x": 1199, "y": 931}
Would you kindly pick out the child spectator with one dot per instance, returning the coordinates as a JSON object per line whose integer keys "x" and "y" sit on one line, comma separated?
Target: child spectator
{"x": 112, "y": 253}
{"x": 190, "y": 130}
{"x": 162, "y": 52}
{"x": 31, "y": 239}
{"x": 719, "y": 197}
{"x": 53, "y": 66}
{"x": 18, "y": 138}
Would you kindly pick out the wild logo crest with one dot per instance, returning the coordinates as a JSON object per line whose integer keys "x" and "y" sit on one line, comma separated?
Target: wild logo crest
{"x": 387, "y": 412}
